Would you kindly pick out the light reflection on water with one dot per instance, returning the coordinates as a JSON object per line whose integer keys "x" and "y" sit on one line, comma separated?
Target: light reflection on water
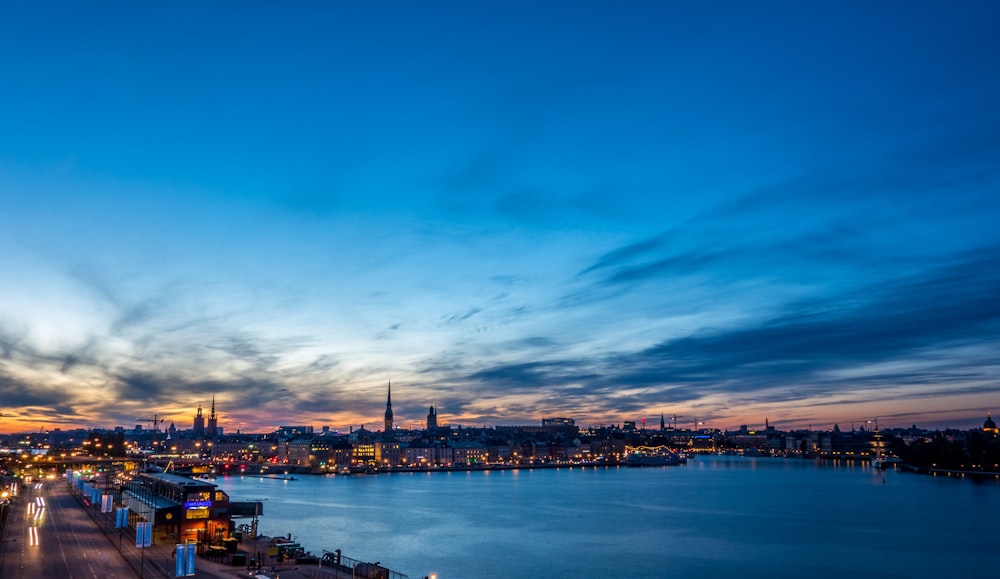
{"x": 714, "y": 516}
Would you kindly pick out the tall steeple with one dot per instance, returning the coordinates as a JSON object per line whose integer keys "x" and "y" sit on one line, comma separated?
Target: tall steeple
{"x": 213, "y": 421}
{"x": 663, "y": 424}
{"x": 388, "y": 409}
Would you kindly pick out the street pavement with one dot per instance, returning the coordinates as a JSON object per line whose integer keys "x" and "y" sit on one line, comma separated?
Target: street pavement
{"x": 51, "y": 534}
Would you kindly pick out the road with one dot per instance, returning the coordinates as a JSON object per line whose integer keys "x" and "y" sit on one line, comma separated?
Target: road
{"x": 51, "y": 536}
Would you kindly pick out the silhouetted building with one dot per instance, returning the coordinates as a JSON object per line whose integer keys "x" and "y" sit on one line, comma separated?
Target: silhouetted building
{"x": 989, "y": 426}
{"x": 388, "y": 410}
{"x": 213, "y": 421}
{"x": 432, "y": 419}
{"x": 199, "y": 424}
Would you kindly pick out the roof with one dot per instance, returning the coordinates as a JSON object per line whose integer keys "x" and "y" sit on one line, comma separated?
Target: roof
{"x": 178, "y": 480}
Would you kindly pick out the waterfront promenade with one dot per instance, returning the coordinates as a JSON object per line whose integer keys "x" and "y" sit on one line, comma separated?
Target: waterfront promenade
{"x": 51, "y": 534}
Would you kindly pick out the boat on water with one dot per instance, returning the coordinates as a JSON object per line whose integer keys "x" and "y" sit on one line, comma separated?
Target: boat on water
{"x": 656, "y": 458}
{"x": 883, "y": 461}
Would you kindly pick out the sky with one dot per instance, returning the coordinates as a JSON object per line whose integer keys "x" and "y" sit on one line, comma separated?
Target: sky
{"x": 722, "y": 211}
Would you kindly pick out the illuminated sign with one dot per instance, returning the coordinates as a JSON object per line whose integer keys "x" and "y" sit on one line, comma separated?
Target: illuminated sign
{"x": 197, "y": 504}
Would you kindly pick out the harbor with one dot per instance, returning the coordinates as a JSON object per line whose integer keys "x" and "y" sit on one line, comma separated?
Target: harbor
{"x": 714, "y": 516}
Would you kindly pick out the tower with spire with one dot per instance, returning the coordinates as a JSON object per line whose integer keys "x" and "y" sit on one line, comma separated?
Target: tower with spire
{"x": 199, "y": 424}
{"x": 388, "y": 410}
{"x": 213, "y": 421}
{"x": 432, "y": 419}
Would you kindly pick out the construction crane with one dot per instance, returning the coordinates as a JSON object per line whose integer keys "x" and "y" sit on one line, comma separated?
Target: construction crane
{"x": 156, "y": 421}
{"x": 674, "y": 418}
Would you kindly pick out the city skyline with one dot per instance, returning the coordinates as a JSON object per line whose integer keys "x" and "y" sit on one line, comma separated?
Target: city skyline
{"x": 509, "y": 210}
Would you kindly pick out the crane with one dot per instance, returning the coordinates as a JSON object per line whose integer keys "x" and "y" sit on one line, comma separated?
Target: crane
{"x": 156, "y": 421}
{"x": 674, "y": 418}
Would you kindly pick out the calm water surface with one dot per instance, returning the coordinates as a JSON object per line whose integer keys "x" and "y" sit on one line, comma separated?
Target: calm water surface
{"x": 714, "y": 516}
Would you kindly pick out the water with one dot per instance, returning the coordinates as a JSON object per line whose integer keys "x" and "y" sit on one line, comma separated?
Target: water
{"x": 714, "y": 516}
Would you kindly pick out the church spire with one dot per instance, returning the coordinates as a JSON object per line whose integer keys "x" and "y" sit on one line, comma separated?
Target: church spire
{"x": 388, "y": 409}
{"x": 213, "y": 421}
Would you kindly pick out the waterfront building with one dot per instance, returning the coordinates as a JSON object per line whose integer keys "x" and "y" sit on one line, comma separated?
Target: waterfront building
{"x": 340, "y": 453}
{"x": 363, "y": 453}
{"x": 839, "y": 443}
{"x": 498, "y": 453}
{"x": 298, "y": 451}
{"x": 387, "y": 454}
{"x": 469, "y": 452}
{"x": 279, "y": 451}
{"x": 750, "y": 439}
{"x": 578, "y": 453}
{"x": 608, "y": 448}
{"x": 182, "y": 509}
{"x": 702, "y": 442}
{"x": 238, "y": 450}
{"x": 380, "y": 453}
{"x": 183, "y": 447}
{"x": 423, "y": 454}
{"x": 309, "y": 452}
{"x": 830, "y": 443}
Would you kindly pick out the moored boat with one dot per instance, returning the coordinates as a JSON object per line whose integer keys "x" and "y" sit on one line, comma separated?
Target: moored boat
{"x": 646, "y": 458}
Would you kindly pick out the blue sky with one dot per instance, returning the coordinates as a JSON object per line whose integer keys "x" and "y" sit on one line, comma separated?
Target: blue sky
{"x": 721, "y": 210}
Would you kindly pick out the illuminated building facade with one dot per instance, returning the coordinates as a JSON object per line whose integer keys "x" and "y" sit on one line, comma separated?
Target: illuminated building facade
{"x": 181, "y": 509}
{"x": 990, "y": 427}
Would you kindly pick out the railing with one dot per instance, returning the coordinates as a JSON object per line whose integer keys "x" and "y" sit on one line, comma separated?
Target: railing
{"x": 358, "y": 569}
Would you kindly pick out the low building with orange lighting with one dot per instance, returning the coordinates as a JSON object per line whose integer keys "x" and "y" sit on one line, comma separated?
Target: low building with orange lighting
{"x": 182, "y": 509}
